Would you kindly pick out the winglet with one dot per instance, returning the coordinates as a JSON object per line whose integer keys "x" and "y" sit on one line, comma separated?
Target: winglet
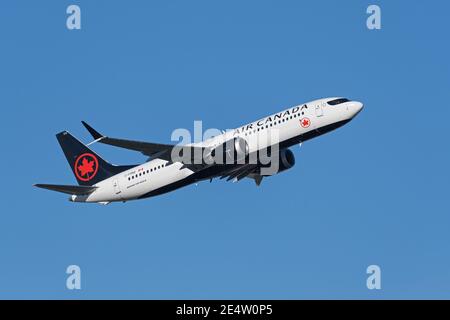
{"x": 95, "y": 134}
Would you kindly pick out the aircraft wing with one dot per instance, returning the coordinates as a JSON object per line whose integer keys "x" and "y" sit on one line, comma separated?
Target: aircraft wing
{"x": 154, "y": 150}
{"x": 164, "y": 151}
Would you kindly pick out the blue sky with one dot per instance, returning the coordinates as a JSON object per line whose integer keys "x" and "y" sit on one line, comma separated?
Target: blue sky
{"x": 372, "y": 192}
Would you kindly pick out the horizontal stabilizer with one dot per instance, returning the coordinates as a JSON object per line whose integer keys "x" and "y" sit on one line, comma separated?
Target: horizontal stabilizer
{"x": 77, "y": 190}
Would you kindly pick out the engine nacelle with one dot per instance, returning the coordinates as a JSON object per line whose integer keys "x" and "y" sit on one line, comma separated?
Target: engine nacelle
{"x": 232, "y": 151}
{"x": 285, "y": 161}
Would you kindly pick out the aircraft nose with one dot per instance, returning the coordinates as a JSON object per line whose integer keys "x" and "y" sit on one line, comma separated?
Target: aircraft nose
{"x": 354, "y": 108}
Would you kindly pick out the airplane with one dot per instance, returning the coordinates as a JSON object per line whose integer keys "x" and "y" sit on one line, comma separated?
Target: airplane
{"x": 234, "y": 155}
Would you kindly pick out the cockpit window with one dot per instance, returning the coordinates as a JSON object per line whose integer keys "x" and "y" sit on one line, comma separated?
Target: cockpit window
{"x": 337, "y": 101}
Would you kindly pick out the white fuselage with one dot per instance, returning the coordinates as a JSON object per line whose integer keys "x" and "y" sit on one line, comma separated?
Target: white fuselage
{"x": 285, "y": 125}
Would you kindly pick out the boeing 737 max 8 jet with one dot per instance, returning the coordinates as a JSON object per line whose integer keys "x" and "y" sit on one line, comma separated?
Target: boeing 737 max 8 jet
{"x": 255, "y": 150}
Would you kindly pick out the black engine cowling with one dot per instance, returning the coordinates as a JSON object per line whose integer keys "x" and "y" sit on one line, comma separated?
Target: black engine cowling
{"x": 285, "y": 161}
{"x": 232, "y": 151}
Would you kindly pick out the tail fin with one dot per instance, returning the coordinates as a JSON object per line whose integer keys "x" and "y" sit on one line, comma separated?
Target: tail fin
{"x": 88, "y": 167}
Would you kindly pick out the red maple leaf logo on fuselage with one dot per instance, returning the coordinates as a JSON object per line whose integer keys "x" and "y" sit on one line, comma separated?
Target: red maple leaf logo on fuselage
{"x": 305, "y": 122}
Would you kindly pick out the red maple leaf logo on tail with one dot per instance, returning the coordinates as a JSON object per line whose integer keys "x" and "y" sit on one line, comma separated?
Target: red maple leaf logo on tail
{"x": 86, "y": 167}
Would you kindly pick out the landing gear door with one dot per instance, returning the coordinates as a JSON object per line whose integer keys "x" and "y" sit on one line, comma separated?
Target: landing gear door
{"x": 319, "y": 110}
{"x": 116, "y": 186}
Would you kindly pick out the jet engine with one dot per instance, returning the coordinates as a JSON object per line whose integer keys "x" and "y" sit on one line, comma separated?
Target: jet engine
{"x": 285, "y": 161}
{"x": 229, "y": 152}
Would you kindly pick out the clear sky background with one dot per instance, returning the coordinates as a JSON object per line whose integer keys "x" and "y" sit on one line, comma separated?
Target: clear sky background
{"x": 373, "y": 192}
